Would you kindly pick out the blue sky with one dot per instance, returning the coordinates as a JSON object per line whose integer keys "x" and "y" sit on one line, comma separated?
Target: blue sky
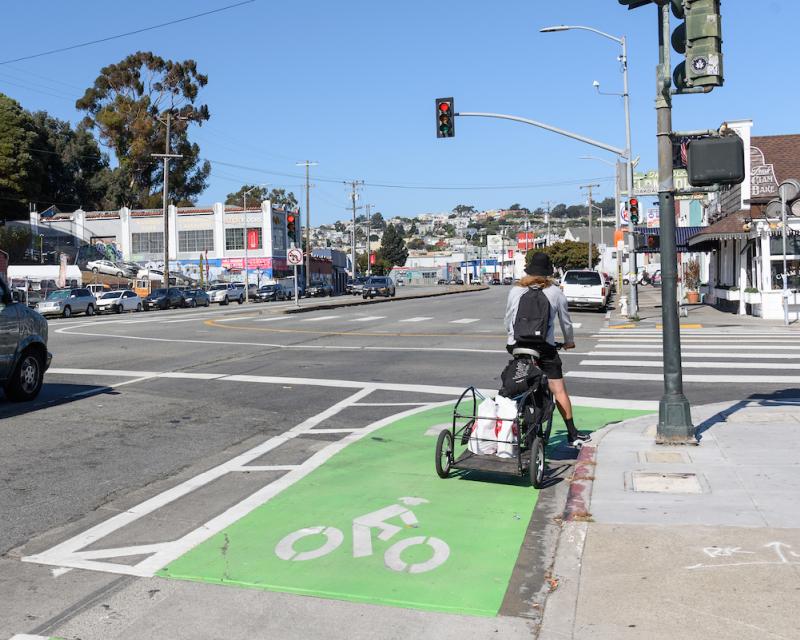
{"x": 352, "y": 85}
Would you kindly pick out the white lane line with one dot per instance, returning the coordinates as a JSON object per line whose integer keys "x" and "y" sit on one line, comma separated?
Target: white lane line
{"x": 689, "y": 365}
{"x": 417, "y": 319}
{"x": 27, "y": 636}
{"x": 319, "y": 318}
{"x": 190, "y": 376}
{"x": 332, "y": 430}
{"x": 267, "y": 467}
{"x": 761, "y": 355}
{"x": 286, "y": 317}
{"x": 708, "y": 379}
{"x": 465, "y": 321}
{"x": 367, "y": 319}
{"x": 119, "y": 373}
{"x": 389, "y": 404}
{"x": 69, "y": 554}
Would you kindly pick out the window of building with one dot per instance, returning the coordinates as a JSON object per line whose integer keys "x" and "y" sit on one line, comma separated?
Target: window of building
{"x": 234, "y": 239}
{"x": 150, "y": 242}
{"x": 792, "y": 245}
{"x": 196, "y": 240}
{"x": 792, "y": 266}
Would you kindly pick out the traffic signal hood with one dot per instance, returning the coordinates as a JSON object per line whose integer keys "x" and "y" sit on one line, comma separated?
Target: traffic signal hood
{"x": 291, "y": 227}
{"x": 633, "y": 210}
{"x": 445, "y": 118}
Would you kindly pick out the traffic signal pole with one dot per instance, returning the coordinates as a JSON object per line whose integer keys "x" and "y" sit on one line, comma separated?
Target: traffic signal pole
{"x": 674, "y": 414}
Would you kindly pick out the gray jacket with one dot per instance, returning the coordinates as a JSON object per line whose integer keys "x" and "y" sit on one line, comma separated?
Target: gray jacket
{"x": 558, "y": 307}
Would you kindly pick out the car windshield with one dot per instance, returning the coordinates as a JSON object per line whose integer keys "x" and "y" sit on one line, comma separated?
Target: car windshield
{"x": 582, "y": 277}
{"x": 269, "y": 287}
{"x": 111, "y": 294}
{"x": 158, "y": 292}
{"x": 63, "y": 294}
{"x": 218, "y": 287}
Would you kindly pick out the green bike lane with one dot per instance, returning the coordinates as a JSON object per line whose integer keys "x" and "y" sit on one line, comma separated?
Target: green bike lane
{"x": 375, "y": 524}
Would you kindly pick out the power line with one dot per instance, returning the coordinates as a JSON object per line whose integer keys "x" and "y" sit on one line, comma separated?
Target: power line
{"x": 127, "y": 33}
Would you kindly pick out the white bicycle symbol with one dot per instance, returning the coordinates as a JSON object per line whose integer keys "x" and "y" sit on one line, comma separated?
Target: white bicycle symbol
{"x": 362, "y": 539}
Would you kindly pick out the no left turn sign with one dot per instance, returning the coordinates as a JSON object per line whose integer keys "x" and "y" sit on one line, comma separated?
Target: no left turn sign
{"x": 294, "y": 256}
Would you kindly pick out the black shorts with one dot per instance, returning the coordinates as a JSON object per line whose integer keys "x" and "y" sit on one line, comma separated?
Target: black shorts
{"x": 549, "y": 360}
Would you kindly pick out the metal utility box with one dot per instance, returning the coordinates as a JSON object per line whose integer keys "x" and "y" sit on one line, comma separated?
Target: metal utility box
{"x": 715, "y": 160}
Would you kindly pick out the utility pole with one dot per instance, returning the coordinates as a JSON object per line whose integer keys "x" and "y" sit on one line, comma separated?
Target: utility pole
{"x": 674, "y": 415}
{"x": 589, "y": 188}
{"x": 369, "y": 222}
{"x": 307, "y": 164}
{"x": 166, "y": 156}
{"x": 354, "y": 197}
{"x": 547, "y": 239}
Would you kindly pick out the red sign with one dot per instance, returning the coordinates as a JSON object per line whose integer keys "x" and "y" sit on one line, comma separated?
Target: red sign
{"x": 253, "y": 239}
{"x": 372, "y": 258}
{"x": 510, "y": 253}
{"x": 526, "y": 240}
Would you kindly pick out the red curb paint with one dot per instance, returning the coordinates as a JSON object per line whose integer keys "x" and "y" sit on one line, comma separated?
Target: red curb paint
{"x": 580, "y": 488}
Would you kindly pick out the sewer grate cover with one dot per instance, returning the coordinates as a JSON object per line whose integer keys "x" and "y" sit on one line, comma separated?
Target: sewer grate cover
{"x": 666, "y": 482}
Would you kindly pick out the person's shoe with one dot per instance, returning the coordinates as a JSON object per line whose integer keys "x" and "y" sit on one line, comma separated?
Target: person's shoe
{"x": 580, "y": 440}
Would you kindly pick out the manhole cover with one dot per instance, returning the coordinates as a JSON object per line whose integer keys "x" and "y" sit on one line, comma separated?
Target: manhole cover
{"x": 666, "y": 482}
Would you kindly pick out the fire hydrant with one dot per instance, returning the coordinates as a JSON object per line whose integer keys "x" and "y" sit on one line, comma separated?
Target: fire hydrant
{"x": 623, "y": 306}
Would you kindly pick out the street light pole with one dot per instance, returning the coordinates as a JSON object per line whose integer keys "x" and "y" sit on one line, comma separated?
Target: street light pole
{"x": 307, "y": 164}
{"x": 167, "y": 156}
{"x": 589, "y": 187}
{"x": 674, "y": 415}
{"x": 247, "y": 242}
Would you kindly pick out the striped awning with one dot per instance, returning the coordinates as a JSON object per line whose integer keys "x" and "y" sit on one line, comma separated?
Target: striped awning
{"x": 682, "y": 235}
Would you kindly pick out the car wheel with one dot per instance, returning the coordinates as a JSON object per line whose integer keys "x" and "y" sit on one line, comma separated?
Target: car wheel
{"x": 241, "y": 299}
{"x": 118, "y": 308}
{"x": 139, "y": 307}
{"x": 208, "y": 303}
{"x": 394, "y": 293}
{"x": 120, "y": 274}
{"x": 95, "y": 270}
{"x": 90, "y": 310}
{"x": 26, "y": 381}
{"x": 225, "y": 302}
{"x": 193, "y": 304}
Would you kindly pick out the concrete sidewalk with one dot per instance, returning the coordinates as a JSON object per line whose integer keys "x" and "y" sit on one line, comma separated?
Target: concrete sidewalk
{"x": 664, "y": 542}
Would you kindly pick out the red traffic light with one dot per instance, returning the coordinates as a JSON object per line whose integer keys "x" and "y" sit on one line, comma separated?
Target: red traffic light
{"x": 444, "y": 106}
{"x": 290, "y": 219}
{"x": 634, "y": 202}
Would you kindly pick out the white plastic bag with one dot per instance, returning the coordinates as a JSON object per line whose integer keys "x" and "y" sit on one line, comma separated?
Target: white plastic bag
{"x": 507, "y": 431}
{"x": 483, "y": 439}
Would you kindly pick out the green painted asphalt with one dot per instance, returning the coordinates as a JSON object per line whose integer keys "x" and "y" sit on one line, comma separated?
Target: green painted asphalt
{"x": 440, "y": 545}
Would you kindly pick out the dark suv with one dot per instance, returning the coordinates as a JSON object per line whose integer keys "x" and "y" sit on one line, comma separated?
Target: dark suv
{"x": 378, "y": 286}
{"x": 23, "y": 347}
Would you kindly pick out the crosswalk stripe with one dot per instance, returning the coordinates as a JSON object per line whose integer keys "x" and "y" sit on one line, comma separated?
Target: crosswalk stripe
{"x": 417, "y": 319}
{"x": 702, "y": 354}
{"x": 465, "y": 321}
{"x": 319, "y": 318}
{"x": 689, "y": 365}
{"x": 705, "y": 378}
{"x": 710, "y": 346}
{"x": 367, "y": 319}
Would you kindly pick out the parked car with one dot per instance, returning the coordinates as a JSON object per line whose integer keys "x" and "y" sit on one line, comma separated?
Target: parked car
{"x": 105, "y": 266}
{"x": 378, "y": 286}
{"x": 318, "y": 289}
{"x": 508, "y": 280}
{"x": 131, "y": 269}
{"x": 252, "y": 289}
{"x": 272, "y": 293}
{"x": 356, "y": 287}
{"x": 456, "y": 281}
{"x": 119, "y": 301}
{"x": 226, "y": 292}
{"x": 196, "y": 298}
{"x": 494, "y": 281}
{"x": 98, "y": 289}
{"x": 68, "y": 302}
{"x": 585, "y": 289}
{"x": 400, "y": 282}
{"x": 441, "y": 281}
{"x": 23, "y": 347}
{"x": 164, "y": 299}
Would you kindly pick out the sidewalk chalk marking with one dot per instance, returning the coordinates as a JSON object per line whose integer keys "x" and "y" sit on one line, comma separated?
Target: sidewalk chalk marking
{"x": 781, "y": 554}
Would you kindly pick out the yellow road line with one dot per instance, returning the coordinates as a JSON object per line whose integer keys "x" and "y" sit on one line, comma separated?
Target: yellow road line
{"x": 622, "y": 326}
{"x": 683, "y": 326}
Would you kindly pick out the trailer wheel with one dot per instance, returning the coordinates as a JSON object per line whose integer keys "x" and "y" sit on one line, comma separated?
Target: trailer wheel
{"x": 444, "y": 453}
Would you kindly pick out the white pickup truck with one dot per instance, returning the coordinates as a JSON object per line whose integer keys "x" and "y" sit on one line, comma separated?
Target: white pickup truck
{"x": 585, "y": 289}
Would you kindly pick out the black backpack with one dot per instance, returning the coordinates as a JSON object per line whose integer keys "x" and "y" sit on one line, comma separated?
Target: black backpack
{"x": 533, "y": 317}
{"x": 520, "y": 374}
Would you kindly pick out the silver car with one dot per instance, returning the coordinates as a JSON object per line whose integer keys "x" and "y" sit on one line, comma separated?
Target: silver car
{"x": 68, "y": 302}
{"x": 119, "y": 301}
{"x": 23, "y": 348}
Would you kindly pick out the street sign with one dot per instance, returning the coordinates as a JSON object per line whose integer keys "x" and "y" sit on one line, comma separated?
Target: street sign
{"x": 294, "y": 256}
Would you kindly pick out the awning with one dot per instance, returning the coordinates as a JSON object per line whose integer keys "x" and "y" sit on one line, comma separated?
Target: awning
{"x": 682, "y": 235}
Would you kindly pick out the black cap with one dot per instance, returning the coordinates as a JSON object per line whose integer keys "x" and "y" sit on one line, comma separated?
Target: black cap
{"x": 540, "y": 265}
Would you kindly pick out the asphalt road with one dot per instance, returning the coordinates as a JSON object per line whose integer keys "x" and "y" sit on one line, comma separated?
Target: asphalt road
{"x": 136, "y": 404}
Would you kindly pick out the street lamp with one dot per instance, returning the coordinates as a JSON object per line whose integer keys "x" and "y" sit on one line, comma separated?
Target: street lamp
{"x": 246, "y": 240}
{"x": 625, "y": 97}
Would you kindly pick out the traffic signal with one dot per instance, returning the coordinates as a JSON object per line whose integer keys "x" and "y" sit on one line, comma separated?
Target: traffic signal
{"x": 634, "y": 4}
{"x": 699, "y": 38}
{"x": 633, "y": 209}
{"x": 291, "y": 227}
{"x": 445, "y": 118}
{"x": 654, "y": 243}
